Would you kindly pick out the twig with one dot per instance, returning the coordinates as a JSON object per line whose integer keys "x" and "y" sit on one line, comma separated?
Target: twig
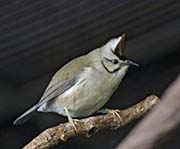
{"x": 88, "y": 126}
{"x": 154, "y": 128}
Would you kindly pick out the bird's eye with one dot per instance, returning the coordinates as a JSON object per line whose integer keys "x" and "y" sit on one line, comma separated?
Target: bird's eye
{"x": 115, "y": 61}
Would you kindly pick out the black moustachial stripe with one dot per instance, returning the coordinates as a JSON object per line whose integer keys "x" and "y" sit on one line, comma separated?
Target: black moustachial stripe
{"x": 107, "y": 69}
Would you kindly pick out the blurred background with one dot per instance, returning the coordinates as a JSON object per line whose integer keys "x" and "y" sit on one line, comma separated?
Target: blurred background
{"x": 38, "y": 37}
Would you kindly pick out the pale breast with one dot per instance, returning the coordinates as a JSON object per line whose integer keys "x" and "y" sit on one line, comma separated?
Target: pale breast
{"x": 88, "y": 95}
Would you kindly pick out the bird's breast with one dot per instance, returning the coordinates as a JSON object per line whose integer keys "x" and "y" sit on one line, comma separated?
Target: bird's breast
{"x": 88, "y": 95}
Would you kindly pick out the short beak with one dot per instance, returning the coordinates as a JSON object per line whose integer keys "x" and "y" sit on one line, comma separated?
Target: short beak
{"x": 128, "y": 62}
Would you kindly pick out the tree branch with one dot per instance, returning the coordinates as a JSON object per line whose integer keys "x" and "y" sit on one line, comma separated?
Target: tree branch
{"x": 88, "y": 126}
{"x": 154, "y": 128}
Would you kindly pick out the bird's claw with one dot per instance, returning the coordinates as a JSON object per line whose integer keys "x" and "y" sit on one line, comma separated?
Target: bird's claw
{"x": 113, "y": 112}
{"x": 116, "y": 113}
{"x": 73, "y": 122}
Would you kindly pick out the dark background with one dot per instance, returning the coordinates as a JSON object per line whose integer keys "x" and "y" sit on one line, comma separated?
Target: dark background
{"x": 38, "y": 37}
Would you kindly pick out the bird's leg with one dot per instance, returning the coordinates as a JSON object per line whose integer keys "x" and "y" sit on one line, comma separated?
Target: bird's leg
{"x": 102, "y": 111}
{"x": 111, "y": 111}
{"x": 71, "y": 120}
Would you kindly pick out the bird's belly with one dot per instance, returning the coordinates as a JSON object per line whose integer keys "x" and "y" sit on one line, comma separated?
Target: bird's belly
{"x": 86, "y": 105}
{"x": 81, "y": 100}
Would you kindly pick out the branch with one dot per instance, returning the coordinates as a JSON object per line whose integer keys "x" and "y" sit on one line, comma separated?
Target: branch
{"x": 88, "y": 126}
{"x": 162, "y": 120}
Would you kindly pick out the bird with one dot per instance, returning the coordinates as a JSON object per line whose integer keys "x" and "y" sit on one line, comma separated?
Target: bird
{"x": 85, "y": 84}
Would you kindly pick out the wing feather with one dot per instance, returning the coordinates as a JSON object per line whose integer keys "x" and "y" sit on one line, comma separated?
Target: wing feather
{"x": 56, "y": 90}
{"x": 64, "y": 79}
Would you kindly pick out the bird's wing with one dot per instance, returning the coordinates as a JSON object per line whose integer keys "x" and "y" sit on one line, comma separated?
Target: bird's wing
{"x": 56, "y": 90}
{"x": 64, "y": 79}
{"x": 49, "y": 94}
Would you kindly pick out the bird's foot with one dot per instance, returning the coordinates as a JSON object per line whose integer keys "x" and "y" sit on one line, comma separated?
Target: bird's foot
{"x": 111, "y": 111}
{"x": 72, "y": 121}
{"x": 115, "y": 113}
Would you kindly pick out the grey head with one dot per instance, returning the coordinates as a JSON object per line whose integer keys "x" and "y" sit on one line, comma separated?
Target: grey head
{"x": 111, "y": 57}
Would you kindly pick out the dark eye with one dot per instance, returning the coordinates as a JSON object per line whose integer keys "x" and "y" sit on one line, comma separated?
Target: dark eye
{"x": 115, "y": 61}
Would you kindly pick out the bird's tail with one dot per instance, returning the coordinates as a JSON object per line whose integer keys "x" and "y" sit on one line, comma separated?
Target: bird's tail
{"x": 24, "y": 117}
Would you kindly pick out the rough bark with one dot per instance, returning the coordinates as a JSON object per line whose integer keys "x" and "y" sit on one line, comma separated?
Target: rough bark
{"x": 88, "y": 126}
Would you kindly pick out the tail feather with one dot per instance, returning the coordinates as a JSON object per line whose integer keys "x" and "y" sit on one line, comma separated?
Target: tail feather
{"x": 24, "y": 117}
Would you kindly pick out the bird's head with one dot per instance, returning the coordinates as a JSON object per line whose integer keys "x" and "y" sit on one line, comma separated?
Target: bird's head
{"x": 112, "y": 58}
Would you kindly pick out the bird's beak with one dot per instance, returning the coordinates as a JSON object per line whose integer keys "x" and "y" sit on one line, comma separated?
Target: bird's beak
{"x": 128, "y": 62}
